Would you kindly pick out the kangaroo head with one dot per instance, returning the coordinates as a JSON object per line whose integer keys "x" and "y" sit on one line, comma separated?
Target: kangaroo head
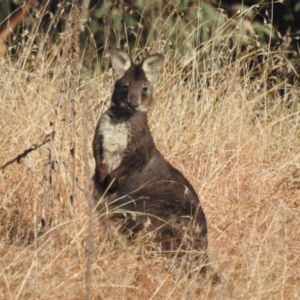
{"x": 134, "y": 84}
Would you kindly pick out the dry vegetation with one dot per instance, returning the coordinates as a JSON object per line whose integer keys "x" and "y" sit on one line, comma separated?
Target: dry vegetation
{"x": 241, "y": 155}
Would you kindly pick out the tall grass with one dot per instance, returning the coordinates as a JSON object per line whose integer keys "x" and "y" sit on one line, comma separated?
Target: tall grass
{"x": 233, "y": 135}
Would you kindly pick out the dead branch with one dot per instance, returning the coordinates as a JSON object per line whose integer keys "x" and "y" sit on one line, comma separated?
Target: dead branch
{"x": 13, "y": 22}
{"x": 26, "y": 152}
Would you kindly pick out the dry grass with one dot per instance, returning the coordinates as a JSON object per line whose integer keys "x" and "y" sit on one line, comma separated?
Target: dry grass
{"x": 245, "y": 169}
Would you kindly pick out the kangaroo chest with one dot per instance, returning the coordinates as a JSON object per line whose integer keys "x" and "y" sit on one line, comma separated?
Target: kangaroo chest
{"x": 115, "y": 139}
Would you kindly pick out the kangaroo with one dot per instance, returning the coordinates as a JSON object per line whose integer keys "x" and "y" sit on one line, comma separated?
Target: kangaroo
{"x": 139, "y": 187}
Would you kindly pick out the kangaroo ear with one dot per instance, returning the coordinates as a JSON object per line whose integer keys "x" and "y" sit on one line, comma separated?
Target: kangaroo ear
{"x": 121, "y": 61}
{"x": 152, "y": 66}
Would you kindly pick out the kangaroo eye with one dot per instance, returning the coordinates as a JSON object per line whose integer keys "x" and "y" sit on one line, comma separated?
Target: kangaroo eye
{"x": 145, "y": 89}
{"x": 125, "y": 87}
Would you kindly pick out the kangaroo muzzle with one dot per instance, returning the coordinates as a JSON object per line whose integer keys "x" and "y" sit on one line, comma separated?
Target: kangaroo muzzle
{"x": 132, "y": 105}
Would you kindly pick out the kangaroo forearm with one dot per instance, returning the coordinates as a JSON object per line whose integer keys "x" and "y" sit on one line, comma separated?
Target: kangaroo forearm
{"x": 101, "y": 171}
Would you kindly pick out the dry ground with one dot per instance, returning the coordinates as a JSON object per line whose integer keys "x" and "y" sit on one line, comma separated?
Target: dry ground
{"x": 243, "y": 161}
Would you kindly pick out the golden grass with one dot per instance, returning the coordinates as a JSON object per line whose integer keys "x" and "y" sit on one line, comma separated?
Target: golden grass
{"x": 244, "y": 168}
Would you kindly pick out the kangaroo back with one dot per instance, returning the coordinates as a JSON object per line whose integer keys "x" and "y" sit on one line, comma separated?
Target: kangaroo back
{"x": 143, "y": 192}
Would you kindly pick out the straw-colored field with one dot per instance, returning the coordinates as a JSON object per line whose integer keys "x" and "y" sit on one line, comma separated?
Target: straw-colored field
{"x": 236, "y": 143}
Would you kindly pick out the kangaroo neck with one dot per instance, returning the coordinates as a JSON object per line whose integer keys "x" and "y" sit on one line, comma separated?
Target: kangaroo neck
{"x": 121, "y": 114}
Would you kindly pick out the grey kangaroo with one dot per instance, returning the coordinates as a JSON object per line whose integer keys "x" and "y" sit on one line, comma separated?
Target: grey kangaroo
{"x": 142, "y": 191}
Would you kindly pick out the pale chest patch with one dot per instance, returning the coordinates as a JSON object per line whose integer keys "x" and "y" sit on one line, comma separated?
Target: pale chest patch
{"x": 114, "y": 143}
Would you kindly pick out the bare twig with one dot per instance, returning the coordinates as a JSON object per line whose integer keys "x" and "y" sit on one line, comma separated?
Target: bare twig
{"x": 77, "y": 16}
{"x": 74, "y": 75}
{"x": 19, "y": 157}
{"x": 14, "y": 21}
{"x": 89, "y": 243}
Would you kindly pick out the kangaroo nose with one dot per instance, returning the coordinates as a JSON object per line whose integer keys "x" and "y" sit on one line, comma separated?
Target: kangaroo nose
{"x": 132, "y": 105}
